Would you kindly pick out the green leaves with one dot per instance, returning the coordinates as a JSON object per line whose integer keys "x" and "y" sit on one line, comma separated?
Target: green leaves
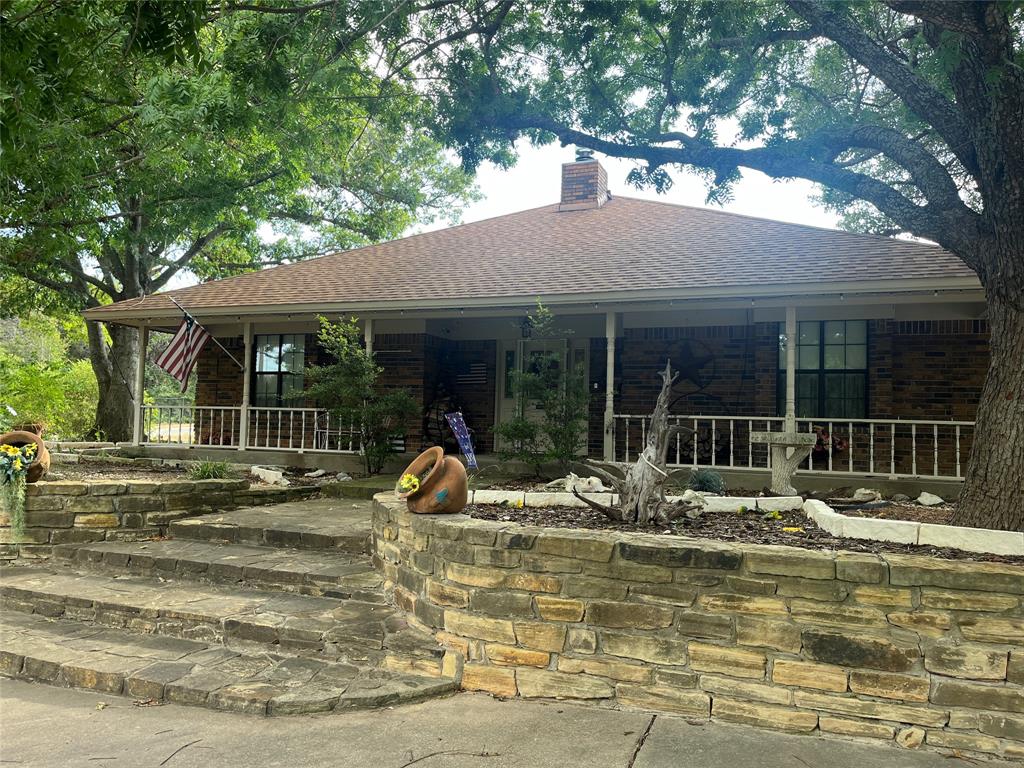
{"x": 347, "y": 386}
{"x": 133, "y": 131}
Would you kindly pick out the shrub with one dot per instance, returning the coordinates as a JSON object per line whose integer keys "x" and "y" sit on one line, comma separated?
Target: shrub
{"x": 558, "y": 389}
{"x": 210, "y": 470}
{"x": 706, "y": 481}
{"x": 521, "y": 441}
{"x": 347, "y": 387}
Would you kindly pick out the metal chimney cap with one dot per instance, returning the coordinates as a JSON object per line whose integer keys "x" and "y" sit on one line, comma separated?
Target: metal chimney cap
{"x": 583, "y": 154}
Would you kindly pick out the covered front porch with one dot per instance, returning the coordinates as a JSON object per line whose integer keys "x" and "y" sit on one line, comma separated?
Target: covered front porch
{"x": 888, "y": 383}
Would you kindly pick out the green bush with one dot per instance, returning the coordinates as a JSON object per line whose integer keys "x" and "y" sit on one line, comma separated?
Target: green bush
{"x": 521, "y": 441}
{"x": 559, "y": 391}
{"x": 706, "y": 481}
{"x": 210, "y": 470}
{"x": 40, "y": 382}
{"x": 347, "y": 387}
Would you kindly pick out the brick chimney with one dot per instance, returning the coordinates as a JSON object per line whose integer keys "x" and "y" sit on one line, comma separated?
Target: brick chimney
{"x": 584, "y": 183}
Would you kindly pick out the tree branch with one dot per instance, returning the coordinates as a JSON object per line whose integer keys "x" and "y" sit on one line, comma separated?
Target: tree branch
{"x": 953, "y": 228}
{"x": 175, "y": 266}
{"x": 920, "y": 96}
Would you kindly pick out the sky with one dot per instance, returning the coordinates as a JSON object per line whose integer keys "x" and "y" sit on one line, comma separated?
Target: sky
{"x": 536, "y": 179}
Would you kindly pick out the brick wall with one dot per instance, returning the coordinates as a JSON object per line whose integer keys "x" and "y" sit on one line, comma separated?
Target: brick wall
{"x": 584, "y": 185}
{"x": 938, "y": 368}
{"x": 893, "y": 647}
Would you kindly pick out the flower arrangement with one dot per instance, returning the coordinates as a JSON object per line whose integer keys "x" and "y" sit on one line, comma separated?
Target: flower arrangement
{"x": 408, "y": 483}
{"x": 14, "y": 464}
{"x": 828, "y": 443}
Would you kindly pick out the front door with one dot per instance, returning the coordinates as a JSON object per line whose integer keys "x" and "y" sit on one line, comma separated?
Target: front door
{"x": 516, "y": 355}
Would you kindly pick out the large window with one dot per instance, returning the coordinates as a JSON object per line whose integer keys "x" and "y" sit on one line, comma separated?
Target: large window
{"x": 278, "y": 378}
{"x": 831, "y": 370}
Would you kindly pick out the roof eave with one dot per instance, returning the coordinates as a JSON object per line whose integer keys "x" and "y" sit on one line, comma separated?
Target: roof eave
{"x": 851, "y": 288}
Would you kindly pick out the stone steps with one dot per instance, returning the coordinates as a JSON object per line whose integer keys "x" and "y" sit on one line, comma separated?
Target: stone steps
{"x": 365, "y": 634}
{"x": 322, "y": 524}
{"x": 153, "y": 669}
{"x": 328, "y": 572}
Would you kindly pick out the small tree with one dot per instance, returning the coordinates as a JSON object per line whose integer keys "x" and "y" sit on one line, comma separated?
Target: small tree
{"x": 559, "y": 391}
{"x": 347, "y": 388}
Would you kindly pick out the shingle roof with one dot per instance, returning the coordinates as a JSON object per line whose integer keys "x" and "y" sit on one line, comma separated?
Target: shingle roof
{"x": 627, "y": 245}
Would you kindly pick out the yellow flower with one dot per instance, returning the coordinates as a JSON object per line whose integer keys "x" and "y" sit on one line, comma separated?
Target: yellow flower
{"x": 409, "y": 483}
{"x": 17, "y": 464}
{"x": 30, "y": 448}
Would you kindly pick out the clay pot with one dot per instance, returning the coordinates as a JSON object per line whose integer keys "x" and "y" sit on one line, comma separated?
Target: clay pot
{"x": 444, "y": 489}
{"x": 41, "y": 464}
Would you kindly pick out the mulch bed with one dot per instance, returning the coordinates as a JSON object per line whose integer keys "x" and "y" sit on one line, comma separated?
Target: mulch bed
{"x": 748, "y": 528}
{"x": 941, "y": 515}
{"x": 86, "y": 471}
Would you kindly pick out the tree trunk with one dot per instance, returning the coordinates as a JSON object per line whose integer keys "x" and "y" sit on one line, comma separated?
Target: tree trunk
{"x": 114, "y": 367}
{"x": 993, "y": 494}
{"x": 642, "y": 488}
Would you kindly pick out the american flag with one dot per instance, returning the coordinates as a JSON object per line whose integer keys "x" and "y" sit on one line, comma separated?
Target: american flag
{"x": 180, "y": 355}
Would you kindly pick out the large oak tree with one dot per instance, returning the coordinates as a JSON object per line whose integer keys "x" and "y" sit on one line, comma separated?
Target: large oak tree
{"x": 144, "y": 139}
{"x": 910, "y": 115}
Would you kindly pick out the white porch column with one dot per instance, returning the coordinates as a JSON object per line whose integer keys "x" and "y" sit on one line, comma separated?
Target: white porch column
{"x": 791, "y": 344}
{"x": 610, "y": 325}
{"x": 368, "y": 335}
{"x": 140, "y": 384}
{"x": 243, "y": 416}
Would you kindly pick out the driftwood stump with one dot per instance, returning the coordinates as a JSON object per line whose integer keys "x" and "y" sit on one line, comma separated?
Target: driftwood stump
{"x": 642, "y": 489}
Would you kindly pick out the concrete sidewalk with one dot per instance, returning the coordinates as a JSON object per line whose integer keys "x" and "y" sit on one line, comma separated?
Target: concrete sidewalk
{"x": 44, "y": 726}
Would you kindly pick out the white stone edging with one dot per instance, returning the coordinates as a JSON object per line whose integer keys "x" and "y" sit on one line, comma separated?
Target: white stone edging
{"x": 909, "y": 532}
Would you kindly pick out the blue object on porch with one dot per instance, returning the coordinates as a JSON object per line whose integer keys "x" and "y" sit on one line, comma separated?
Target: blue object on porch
{"x": 458, "y": 425}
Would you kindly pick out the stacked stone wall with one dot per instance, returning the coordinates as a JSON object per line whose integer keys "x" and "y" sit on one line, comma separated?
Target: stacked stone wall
{"x": 70, "y": 512}
{"x": 896, "y": 647}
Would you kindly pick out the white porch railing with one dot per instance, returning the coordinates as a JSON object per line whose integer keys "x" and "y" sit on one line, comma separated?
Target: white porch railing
{"x": 891, "y": 447}
{"x": 299, "y": 429}
{"x": 191, "y": 425}
{"x": 285, "y": 429}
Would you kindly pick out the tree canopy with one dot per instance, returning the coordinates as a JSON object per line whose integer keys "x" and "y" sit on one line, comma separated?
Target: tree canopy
{"x": 142, "y": 139}
{"x": 908, "y": 113}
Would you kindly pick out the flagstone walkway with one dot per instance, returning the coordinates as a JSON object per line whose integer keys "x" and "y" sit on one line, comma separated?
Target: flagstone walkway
{"x": 293, "y": 622}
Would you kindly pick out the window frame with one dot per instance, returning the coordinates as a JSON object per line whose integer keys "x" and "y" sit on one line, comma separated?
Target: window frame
{"x": 821, "y": 371}
{"x": 277, "y": 375}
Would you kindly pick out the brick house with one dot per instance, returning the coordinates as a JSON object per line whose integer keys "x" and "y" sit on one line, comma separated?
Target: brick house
{"x": 891, "y": 341}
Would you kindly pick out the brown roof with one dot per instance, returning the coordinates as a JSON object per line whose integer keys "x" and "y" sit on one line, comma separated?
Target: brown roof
{"x": 627, "y": 245}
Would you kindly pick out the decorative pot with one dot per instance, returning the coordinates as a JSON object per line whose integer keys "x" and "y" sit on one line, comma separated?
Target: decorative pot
{"x": 445, "y": 487}
{"x": 41, "y": 464}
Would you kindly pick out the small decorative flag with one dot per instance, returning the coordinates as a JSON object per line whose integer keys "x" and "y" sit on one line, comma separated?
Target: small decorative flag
{"x": 458, "y": 425}
{"x": 180, "y": 355}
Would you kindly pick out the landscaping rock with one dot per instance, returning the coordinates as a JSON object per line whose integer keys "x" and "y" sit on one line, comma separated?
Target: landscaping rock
{"x": 929, "y": 499}
{"x": 862, "y": 495}
{"x": 269, "y": 475}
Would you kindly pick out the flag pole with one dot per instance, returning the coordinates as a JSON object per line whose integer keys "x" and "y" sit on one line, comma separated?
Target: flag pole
{"x": 188, "y": 315}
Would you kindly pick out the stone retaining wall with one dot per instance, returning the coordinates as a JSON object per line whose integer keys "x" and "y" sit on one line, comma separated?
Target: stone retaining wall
{"x": 920, "y": 650}
{"x": 66, "y": 512}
